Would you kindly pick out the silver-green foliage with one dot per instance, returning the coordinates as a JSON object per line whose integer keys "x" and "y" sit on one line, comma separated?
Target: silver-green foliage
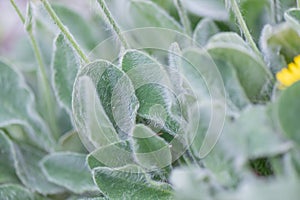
{"x": 188, "y": 119}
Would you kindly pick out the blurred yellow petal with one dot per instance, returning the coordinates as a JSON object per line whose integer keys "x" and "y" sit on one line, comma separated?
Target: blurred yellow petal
{"x": 297, "y": 60}
{"x": 288, "y": 76}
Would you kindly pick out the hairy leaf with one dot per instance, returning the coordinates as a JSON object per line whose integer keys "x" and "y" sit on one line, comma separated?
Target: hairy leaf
{"x": 29, "y": 171}
{"x": 130, "y": 182}
{"x": 18, "y": 107}
{"x": 288, "y": 112}
{"x": 151, "y": 151}
{"x": 7, "y": 168}
{"x": 15, "y": 192}
{"x": 114, "y": 155}
{"x": 69, "y": 170}
{"x": 65, "y": 66}
{"x": 104, "y": 103}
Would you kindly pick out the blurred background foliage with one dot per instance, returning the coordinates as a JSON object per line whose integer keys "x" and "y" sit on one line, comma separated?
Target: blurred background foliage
{"x": 251, "y": 165}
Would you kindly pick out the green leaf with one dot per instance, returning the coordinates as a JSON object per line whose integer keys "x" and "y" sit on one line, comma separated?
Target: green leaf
{"x": 205, "y": 125}
{"x": 65, "y": 66}
{"x": 288, "y": 112}
{"x": 130, "y": 182}
{"x": 253, "y": 74}
{"x": 259, "y": 13}
{"x": 204, "y": 30}
{"x": 147, "y": 14}
{"x": 209, "y": 78}
{"x": 159, "y": 105}
{"x": 246, "y": 138}
{"x": 151, "y": 151}
{"x": 214, "y": 9}
{"x": 174, "y": 56}
{"x": 193, "y": 183}
{"x": 93, "y": 198}
{"x": 90, "y": 118}
{"x": 114, "y": 155}
{"x": 222, "y": 166}
{"x": 71, "y": 141}
{"x": 18, "y": 107}
{"x": 149, "y": 26}
{"x": 257, "y": 189}
{"x": 112, "y": 98}
{"x": 69, "y": 170}
{"x": 15, "y": 192}
{"x": 236, "y": 97}
{"x": 82, "y": 29}
{"x": 207, "y": 87}
{"x": 201, "y": 74}
{"x": 292, "y": 16}
{"x": 279, "y": 44}
{"x": 7, "y": 168}
{"x": 30, "y": 173}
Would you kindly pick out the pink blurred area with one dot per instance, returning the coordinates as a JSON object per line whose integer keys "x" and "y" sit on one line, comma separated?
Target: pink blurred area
{"x": 11, "y": 28}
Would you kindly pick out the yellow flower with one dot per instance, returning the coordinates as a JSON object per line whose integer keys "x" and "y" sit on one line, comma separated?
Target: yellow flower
{"x": 290, "y": 75}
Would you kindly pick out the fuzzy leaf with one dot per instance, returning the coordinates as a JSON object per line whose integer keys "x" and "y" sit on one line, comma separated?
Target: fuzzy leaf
{"x": 69, "y": 170}
{"x": 279, "y": 45}
{"x": 130, "y": 182}
{"x": 7, "y": 168}
{"x": 114, "y": 155}
{"x": 29, "y": 172}
{"x": 15, "y": 192}
{"x": 174, "y": 56}
{"x": 192, "y": 183}
{"x": 292, "y": 16}
{"x": 157, "y": 98}
{"x": 71, "y": 141}
{"x": 81, "y": 29}
{"x": 276, "y": 189}
{"x": 214, "y": 9}
{"x": 252, "y": 73}
{"x": 65, "y": 65}
{"x": 151, "y": 151}
{"x": 18, "y": 107}
{"x": 288, "y": 112}
{"x": 206, "y": 83}
{"x": 253, "y": 136}
{"x": 147, "y": 14}
{"x": 260, "y": 13}
{"x": 204, "y": 30}
{"x": 112, "y": 98}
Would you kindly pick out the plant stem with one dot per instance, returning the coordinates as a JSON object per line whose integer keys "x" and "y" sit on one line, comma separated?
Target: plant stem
{"x": 45, "y": 82}
{"x": 183, "y": 17}
{"x": 18, "y": 11}
{"x": 277, "y": 11}
{"x": 110, "y": 20}
{"x": 244, "y": 28}
{"x": 64, "y": 30}
{"x": 273, "y": 14}
{"x": 298, "y": 3}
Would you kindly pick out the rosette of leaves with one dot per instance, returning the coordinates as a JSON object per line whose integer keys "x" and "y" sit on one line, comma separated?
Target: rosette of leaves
{"x": 128, "y": 127}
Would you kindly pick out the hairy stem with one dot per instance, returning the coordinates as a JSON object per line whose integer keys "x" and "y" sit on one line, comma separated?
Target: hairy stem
{"x": 42, "y": 73}
{"x": 277, "y": 11}
{"x": 111, "y": 22}
{"x": 183, "y": 17}
{"x": 64, "y": 30}
{"x": 244, "y": 28}
{"x": 273, "y": 11}
{"x": 13, "y": 3}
